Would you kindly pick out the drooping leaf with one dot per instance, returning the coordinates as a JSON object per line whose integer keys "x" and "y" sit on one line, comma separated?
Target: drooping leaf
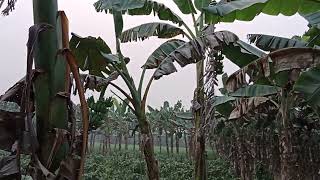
{"x": 223, "y": 104}
{"x": 246, "y": 105}
{"x": 313, "y": 19}
{"x": 241, "y": 53}
{"x": 256, "y": 90}
{"x": 246, "y": 10}
{"x": 159, "y": 9}
{"x": 278, "y": 61}
{"x": 143, "y": 31}
{"x": 199, "y": 4}
{"x": 87, "y": 52}
{"x": 15, "y": 93}
{"x": 194, "y": 51}
{"x": 309, "y": 85}
{"x": 95, "y": 82}
{"x": 218, "y": 100}
{"x": 185, "y": 6}
{"x": 118, "y": 5}
{"x": 140, "y": 7}
{"x": 162, "y": 52}
{"x": 271, "y": 43}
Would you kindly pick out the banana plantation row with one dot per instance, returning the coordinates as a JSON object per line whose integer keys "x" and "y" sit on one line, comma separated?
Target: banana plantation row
{"x": 264, "y": 121}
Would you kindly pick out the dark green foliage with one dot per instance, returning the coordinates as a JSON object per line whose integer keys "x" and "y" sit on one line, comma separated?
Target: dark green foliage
{"x": 144, "y": 31}
{"x": 98, "y": 111}
{"x": 88, "y": 54}
{"x": 271, "y": 43}
{"x": 246, "y": 10}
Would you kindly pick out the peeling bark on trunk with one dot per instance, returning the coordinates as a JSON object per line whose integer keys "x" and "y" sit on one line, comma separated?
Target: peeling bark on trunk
{"x": 200, "y": 159}
{"x": 287, "y": 165}
{"x": 148, "y": 150}
{"x": 200, "y": 141}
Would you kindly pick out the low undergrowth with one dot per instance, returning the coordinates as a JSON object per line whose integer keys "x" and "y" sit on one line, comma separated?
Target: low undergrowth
{"x": 130, "y": 166}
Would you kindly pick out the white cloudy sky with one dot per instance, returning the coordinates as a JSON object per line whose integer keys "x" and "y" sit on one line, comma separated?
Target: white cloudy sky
{"x": 85, "y": 21}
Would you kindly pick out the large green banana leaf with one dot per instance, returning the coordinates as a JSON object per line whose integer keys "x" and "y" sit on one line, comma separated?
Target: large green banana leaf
{"x": 271, "y": 43}
{"x": 163, "y": 51}
{"x": 139, "y": 7}
{"x": 223, "y": 104}
{"x": 199, "y": 4}
{"x": 159, "y": 9}
{"x": 256, "y": 90}
{"x": 195, "y": 50}
{"x": 143, "y": 31}
{"x": 241, "y": 53}
{"x": 246, "y": 10}
{"x": 185, "y": 6}
{"x": 118, "y": 5}
{"x": 88, "y": 54}
{"x": 218, "y": 100}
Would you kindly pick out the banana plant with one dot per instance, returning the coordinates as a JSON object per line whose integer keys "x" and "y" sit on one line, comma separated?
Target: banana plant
{"x": 93, "y": 55}
{"x": 201, "y": 39}
{"x": 98, "y": 112}
{"x": 282, "y": 74}
{"x": 120, "y": 118}
{"x": 157, "y": 127}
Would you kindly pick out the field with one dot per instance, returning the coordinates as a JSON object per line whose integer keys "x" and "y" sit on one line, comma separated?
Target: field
{"x": 130, "y": 165}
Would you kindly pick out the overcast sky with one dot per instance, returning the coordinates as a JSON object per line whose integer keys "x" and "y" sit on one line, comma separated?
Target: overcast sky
{"x": 85, "y": 21}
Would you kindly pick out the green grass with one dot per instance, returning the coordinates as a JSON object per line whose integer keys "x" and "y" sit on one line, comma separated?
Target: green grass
{"x": 130, "y": 165}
